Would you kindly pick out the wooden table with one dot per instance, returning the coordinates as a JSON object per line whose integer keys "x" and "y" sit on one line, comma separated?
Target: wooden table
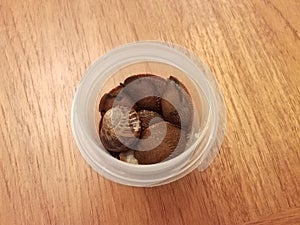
{"x": 252, "y": 47}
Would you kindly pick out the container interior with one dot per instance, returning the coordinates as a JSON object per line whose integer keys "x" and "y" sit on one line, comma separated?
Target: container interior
{"x": 200, "y": 104}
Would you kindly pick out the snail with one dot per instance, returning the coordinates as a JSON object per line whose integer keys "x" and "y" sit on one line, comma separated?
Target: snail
{"x": 148, "y": 118}
{"x": 115, "y": 97}
{"x": 145, "y": 90}
{"x": 173, "y": 138}
{"x": 177, "y": 106}
{"x": 119, "y": 129}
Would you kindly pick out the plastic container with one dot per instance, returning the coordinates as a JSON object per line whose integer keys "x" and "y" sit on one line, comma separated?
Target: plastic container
{"x": 162, "y": 59}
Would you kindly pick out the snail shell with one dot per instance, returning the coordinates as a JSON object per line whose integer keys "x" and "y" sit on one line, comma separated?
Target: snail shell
{"x": 148, "y": 118}
{"x": 146, "y": 91}
{"x": 174, "y": 139}
{"x": 115, "y": 97}
{"x": 119, "y": 129}
{"x": 128, "y": 157}
{"x": 177, "y": 106}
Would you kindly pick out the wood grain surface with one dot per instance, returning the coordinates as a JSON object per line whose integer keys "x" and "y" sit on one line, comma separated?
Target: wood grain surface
{"x": 252, "y": 47}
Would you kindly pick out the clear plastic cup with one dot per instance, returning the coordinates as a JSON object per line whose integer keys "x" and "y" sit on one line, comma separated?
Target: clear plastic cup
{"x": 163, "y": 59}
